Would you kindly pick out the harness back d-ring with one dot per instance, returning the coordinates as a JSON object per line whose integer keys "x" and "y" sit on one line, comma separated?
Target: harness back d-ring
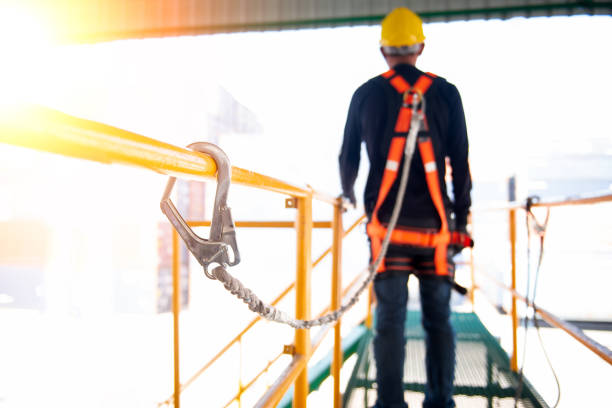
{"x": 222, "y": 230}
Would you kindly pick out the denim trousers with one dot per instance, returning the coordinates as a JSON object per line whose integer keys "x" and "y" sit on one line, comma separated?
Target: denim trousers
{"x": 390, "y": 342}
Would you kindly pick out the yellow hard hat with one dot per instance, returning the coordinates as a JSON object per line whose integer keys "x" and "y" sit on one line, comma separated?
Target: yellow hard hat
{"x": 401, "y": 28}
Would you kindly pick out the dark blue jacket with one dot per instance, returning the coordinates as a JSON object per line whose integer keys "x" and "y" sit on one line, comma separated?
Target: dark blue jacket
{"x": 371, "y": 118}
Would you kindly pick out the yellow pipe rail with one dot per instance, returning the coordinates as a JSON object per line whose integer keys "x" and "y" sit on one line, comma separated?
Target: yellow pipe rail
{"x": 571, "y": 201}
{"x": 321, "y": 313}
{"x": 557, "y": 322}
{"x": 575, "y": 201}
{"x": 263, "y": 224}
{"x": 53, "y": 131}
{"x": 276, "y": 392}
{"x": 336, "y": 288}
{"x": 281, "y": 296}
{"x": 302, "y": 294}
{"x": 279, "y": 393}
{"x": 252, "y": 381}
{"x": 176, "y": 308}
{"x": 514, "y": 312}
{"x": 512, "y": 207}
{"x": 49, "y": 130}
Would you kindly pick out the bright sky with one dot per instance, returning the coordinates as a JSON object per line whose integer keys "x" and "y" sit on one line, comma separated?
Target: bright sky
{"x": 526, "y": 84}
{"x": 529, "y": 86}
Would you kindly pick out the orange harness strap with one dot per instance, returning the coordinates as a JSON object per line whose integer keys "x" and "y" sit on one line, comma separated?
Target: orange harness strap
{"x": 376, "y": 231}
{"x": 433, "y": 185}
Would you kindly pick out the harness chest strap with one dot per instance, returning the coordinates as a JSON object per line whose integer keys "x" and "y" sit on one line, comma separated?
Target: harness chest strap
{"x": 375, "y": 229}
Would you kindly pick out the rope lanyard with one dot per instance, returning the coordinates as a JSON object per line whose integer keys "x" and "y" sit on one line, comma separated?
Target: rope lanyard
{"x": 532, "y": 224}
{"x": 217, "y": 252}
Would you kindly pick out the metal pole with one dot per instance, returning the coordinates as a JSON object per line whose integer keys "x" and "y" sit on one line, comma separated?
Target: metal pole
{"x": 512, "y": 228}
{"x": 368, "y": 320}
{"x": 514, "y": 359}
{"x": 240, "y": 385}
{"x": 302, "y": 294}
{"x": 46, "y": 129}
{"x": 176, "y": 308}
{"x": 336, "y": 296}
{"x": 473, "y": 278}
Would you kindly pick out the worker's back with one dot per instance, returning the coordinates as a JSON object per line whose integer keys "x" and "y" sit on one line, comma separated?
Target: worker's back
{"x": 373, "y": 115}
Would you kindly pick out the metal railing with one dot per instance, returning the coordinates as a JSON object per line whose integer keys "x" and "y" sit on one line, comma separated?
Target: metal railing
{"x": 238, "y": 338}
{"x": 49, "y": 130}
{"x": 512, "y": 208}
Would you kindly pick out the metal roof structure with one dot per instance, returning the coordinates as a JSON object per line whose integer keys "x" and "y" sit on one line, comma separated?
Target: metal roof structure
{"x": 78, "y": 21}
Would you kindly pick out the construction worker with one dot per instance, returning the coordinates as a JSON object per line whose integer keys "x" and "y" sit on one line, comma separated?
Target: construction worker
{"x": 423, "y": 241}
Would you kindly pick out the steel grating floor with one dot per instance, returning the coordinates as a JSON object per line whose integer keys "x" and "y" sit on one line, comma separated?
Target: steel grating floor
{"x": 482, "y": 376}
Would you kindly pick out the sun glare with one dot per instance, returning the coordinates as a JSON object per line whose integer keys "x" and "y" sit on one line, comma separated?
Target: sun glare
{"x": 24, "y": 42}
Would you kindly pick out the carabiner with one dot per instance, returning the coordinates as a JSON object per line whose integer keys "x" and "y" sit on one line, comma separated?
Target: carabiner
{"x": 222, "y": 229}
{"x": 415, "y": 100}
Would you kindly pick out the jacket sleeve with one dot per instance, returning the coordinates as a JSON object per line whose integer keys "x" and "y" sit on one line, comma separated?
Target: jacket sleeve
{"x": 458, "y": 154}
{"x": 351, "y": 148}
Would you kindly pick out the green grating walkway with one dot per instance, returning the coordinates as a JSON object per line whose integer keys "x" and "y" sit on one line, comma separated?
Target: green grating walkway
{"x": 482, "y": 376}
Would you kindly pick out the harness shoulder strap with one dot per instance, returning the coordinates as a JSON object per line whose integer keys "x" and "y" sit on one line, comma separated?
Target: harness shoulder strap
{"x": 402, "y": 126}
{"x": 396, "y": 152}
{"x": 437, "y": 240}
{"x": 401, "y": 85}
{"x": 421, "y": 86}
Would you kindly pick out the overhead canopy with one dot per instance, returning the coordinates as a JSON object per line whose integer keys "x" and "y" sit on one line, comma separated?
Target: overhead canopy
{"x": 76, "y": 21}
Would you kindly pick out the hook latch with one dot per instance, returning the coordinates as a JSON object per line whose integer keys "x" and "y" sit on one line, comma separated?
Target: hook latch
{"x": 222, "y": 238}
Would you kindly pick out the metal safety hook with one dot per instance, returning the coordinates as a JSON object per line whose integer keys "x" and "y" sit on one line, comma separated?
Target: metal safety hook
{"x": 222, "y": 230}
{"x": 415, "y": 100}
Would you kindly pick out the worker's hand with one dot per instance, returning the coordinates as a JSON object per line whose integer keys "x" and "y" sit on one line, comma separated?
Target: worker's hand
{"x": 459, "y": 243}
{"x": 350, "y": 196}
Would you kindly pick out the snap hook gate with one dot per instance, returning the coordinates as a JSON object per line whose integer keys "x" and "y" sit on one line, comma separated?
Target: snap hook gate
{"x": 222, "y": 238}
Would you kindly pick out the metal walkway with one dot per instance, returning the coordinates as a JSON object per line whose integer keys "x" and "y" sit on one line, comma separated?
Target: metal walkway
{"x": 482, "y": 377}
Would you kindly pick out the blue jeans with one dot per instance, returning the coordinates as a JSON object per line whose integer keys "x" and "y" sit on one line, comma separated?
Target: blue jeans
{"x": 389, "y": 341}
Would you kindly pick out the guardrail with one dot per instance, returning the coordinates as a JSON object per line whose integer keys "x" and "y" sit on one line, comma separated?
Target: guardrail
{"x": 52, "y": 131}
{"x": 277, "y": 394}
{"x": 512, "y": 208}
{"x": 49, "y": 130}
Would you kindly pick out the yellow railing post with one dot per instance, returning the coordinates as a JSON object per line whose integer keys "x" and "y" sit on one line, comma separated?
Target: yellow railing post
{"x": 514, "y": 359}
{"x": 176, "y": 309}
{"x": 240, "y": 370}
{"x": 53, "y": 131}
{"x": 472, "y": 275}
{"x": 472, "y": 292}
{"x": 512, "y": 231}
{"x": 336, "y": 295}
{"x": 368, "y": 319}
{"x": 302, "y": 293}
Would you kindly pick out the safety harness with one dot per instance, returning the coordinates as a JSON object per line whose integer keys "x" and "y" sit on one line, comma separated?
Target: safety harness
{"x": 439, "y": 240}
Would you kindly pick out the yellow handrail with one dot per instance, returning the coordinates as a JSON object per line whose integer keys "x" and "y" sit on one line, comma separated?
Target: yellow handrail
{"x": 263, "y": 224}
{"x": 337, "y": 395}
{"x": 281, "y": 296}
{"x": 45, "y": 129}
{"x": 576, "y": 333}
{"x": 53, "y": 131}
{"x": 274, "y": 394}
{"x": 50, "y": 130}
{"x": 253, "y": 380}
{"x": 563, "y": 202}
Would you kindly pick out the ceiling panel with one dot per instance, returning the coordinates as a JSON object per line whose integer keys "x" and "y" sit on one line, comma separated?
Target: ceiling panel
{"x": 78, "y": 21}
